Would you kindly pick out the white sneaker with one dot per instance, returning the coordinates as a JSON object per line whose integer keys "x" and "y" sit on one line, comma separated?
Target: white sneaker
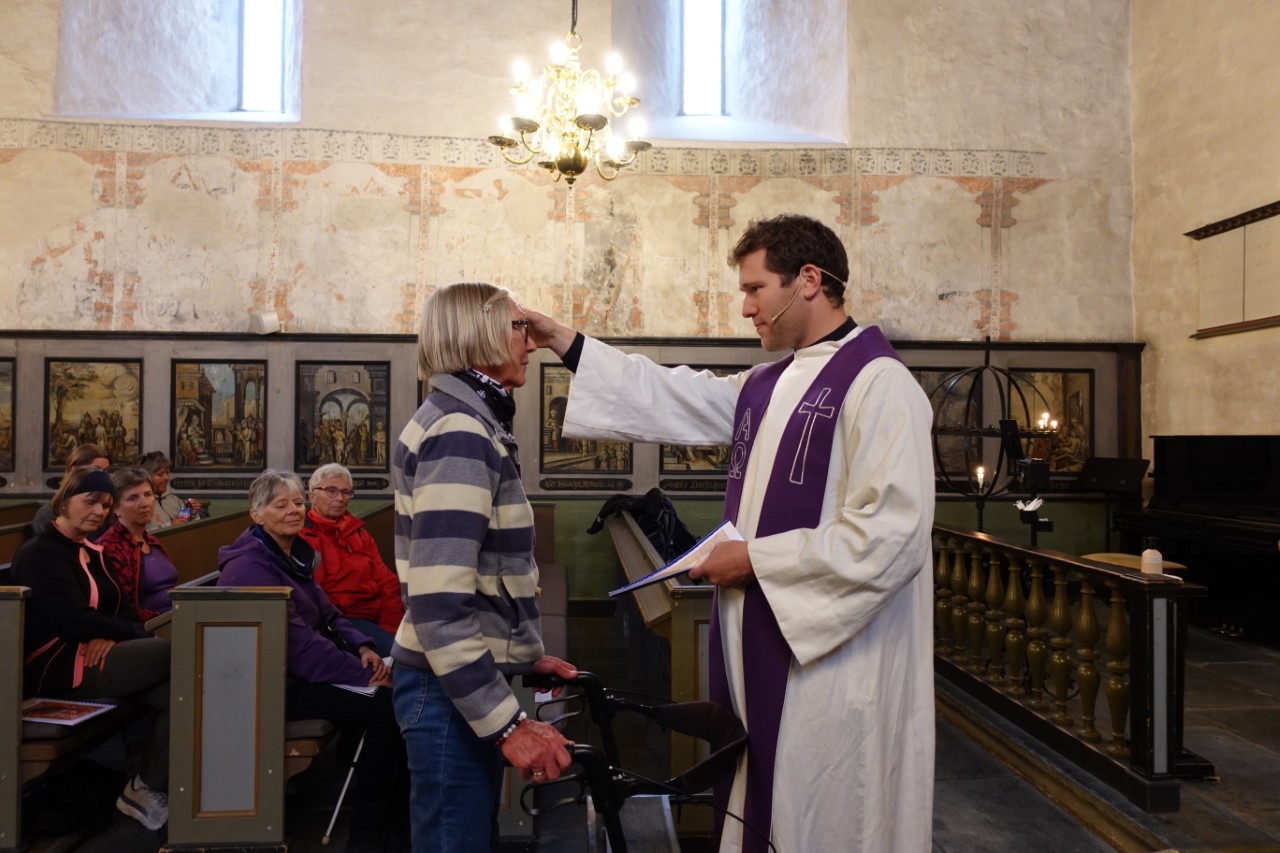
{"x": 149, "y": 808}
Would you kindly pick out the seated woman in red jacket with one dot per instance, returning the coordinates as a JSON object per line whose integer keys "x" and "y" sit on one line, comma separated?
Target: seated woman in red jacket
{"x": 351, "y": 572}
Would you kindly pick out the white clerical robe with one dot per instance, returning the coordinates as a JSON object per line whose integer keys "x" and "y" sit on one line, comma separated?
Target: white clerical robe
{"x": 853, "y": 596}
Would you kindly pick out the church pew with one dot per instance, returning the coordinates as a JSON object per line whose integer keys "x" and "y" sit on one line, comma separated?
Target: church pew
{"x": 12, "y": 609}
{"x": 227, "y": 749}
{"x": 381, "y": 524}
{"x": 19, "y": 513}
{"x": 193, "y": 546}
{"x": 11, "y": 537}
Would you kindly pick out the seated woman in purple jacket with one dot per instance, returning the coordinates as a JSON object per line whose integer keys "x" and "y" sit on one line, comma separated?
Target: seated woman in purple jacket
{"x": 325, "y": 651}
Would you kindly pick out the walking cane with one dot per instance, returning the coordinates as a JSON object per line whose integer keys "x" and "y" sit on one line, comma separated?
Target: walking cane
{"x": 355, "y": 759}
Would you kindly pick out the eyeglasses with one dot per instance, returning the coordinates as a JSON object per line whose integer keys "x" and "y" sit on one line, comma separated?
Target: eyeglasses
{"x": 523, "y": 326}
{"x": 334, "y": 493}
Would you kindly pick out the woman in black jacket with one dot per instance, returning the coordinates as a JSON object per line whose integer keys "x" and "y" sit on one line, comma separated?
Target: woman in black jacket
{"x": 83, "y": 638}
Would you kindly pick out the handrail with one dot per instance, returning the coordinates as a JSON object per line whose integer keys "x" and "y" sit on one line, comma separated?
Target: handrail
{"x": 1020, "y": 629}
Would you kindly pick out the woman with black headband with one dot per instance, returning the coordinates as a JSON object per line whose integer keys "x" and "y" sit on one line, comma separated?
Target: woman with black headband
{"x": 83, "y": 639}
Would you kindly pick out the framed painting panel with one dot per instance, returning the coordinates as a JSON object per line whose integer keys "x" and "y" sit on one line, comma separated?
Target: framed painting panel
{"x": 342, "y": 410}
{"x": 91, "y": 401}
{"x": 957, "y": 416}
{"x": 6, "y": 414}
{"x": 701, "y": 460}
{"x": 560, "y": 455}
{"x": 219, "y": 417}
{"x": 1062, "y": 400}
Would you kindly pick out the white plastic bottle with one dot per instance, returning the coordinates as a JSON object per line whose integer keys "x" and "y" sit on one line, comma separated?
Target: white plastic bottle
{"x": 1152, "y": 560}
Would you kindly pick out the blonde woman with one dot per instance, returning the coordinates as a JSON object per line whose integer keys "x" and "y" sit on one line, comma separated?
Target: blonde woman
{"x": 464, "y": 553}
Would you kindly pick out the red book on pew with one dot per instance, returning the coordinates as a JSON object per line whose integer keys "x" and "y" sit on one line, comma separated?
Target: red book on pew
{"x": 62, "y": 712}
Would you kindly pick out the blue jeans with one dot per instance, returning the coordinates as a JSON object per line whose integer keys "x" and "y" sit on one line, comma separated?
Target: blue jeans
{"x": 455, "y": 778}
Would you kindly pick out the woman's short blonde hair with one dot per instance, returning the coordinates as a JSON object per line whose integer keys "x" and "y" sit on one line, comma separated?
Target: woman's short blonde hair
{"x": 464, "y": 324}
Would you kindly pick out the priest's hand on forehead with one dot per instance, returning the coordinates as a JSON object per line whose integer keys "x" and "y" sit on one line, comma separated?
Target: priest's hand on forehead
{"x": 548, "y": 332}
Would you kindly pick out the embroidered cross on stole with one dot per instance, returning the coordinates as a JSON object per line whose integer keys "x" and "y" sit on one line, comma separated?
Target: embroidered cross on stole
{"x": 792, "y": 501}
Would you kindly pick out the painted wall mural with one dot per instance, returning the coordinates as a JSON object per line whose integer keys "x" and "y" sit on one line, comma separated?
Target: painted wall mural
{"x": 188, "y": 228}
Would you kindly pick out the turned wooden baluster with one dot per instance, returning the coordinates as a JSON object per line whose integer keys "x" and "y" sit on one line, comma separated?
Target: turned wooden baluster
{"x": 1060, "y": 660}
{"x": 1117, "y": 667}
{"x": 1037, "y": 650}
{"x": 994, "y": 629}
{"x": 1015, "y": 642}
{"x": 942, "y": 595}
{"x": 976, "y": 608}
{"x": 1086, "y": 673}
{"x": 959, "y": 603}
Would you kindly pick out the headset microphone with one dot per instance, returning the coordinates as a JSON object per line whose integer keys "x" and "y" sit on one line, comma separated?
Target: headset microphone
{"x": 775, "y": 317}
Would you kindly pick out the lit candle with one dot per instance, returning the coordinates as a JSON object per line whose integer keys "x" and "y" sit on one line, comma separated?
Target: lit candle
{"x": 1053, "y": 425}
{"x": 982, "y": 473}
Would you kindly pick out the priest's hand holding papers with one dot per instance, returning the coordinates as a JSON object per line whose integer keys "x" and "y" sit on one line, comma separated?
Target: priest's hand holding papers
{"x": 691, "y": 559}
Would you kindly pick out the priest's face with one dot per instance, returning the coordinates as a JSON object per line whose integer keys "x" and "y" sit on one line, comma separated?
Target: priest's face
{"x": 768, "y": 304}
{"x": 512, "y": 374}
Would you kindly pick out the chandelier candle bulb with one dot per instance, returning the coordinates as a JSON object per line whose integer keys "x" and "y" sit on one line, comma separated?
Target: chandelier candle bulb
{"x": 982, "y": 473}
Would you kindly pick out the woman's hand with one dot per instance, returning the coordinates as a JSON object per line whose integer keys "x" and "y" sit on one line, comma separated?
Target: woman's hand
{"x": 95, "y": 652}
{"x": 548, "y": 665}
{"x": 537, "y": 751}
{"x": 369, "y": 657}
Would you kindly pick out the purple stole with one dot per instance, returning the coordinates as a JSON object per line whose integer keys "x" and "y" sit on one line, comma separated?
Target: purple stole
{"x": 792, "y": 501}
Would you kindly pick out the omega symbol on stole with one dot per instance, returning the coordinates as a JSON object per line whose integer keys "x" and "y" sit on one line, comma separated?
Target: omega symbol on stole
{"x": 738, "y": 458}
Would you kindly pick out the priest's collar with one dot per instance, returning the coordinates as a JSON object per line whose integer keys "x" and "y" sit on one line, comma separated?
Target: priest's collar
{"x": 839, "y": 333}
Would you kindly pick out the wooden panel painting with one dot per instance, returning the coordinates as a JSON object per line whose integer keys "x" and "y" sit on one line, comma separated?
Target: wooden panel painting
{"x": 6, "y": 414}
{"x": 219, "y": 417}
{"x": 561, "y": 455}
{"x": 342, "y": 414}
{"x": 1064, "y": 397}
{"x": 92, "y": 402}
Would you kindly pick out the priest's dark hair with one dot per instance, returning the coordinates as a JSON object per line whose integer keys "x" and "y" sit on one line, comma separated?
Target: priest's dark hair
{"x": 790, "y": 241}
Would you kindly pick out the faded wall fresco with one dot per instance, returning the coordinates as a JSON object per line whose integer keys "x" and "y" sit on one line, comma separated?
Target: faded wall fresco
{"x": 185, "y": 228}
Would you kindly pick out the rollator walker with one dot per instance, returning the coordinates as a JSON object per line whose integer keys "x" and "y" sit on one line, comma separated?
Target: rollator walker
{"x": 598, "y": 772}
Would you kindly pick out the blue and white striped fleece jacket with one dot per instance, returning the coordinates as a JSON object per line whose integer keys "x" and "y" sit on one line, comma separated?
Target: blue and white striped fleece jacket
{"x": 464, "y": 553}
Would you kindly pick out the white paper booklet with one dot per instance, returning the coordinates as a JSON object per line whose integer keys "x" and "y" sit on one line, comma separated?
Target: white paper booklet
{"x": 726, "y": 532}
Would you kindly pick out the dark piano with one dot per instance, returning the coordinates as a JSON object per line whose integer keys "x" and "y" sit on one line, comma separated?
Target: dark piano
{"x": 1216, "y": 509}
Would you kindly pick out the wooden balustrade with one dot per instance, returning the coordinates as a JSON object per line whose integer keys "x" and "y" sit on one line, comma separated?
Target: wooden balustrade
{"x": 1019, "y": 628}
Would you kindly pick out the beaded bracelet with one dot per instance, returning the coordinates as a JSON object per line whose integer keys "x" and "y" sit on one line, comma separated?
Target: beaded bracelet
{"x": 511, "y": 729}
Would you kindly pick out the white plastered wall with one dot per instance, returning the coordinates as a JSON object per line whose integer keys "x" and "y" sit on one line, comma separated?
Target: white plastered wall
{"x": 1206, "y": 117}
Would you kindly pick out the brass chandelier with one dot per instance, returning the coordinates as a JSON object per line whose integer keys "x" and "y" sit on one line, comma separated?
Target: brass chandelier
{"x": 564, "y": 116}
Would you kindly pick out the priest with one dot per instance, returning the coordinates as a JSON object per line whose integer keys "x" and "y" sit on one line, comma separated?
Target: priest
{"x": 821, "y": 639}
